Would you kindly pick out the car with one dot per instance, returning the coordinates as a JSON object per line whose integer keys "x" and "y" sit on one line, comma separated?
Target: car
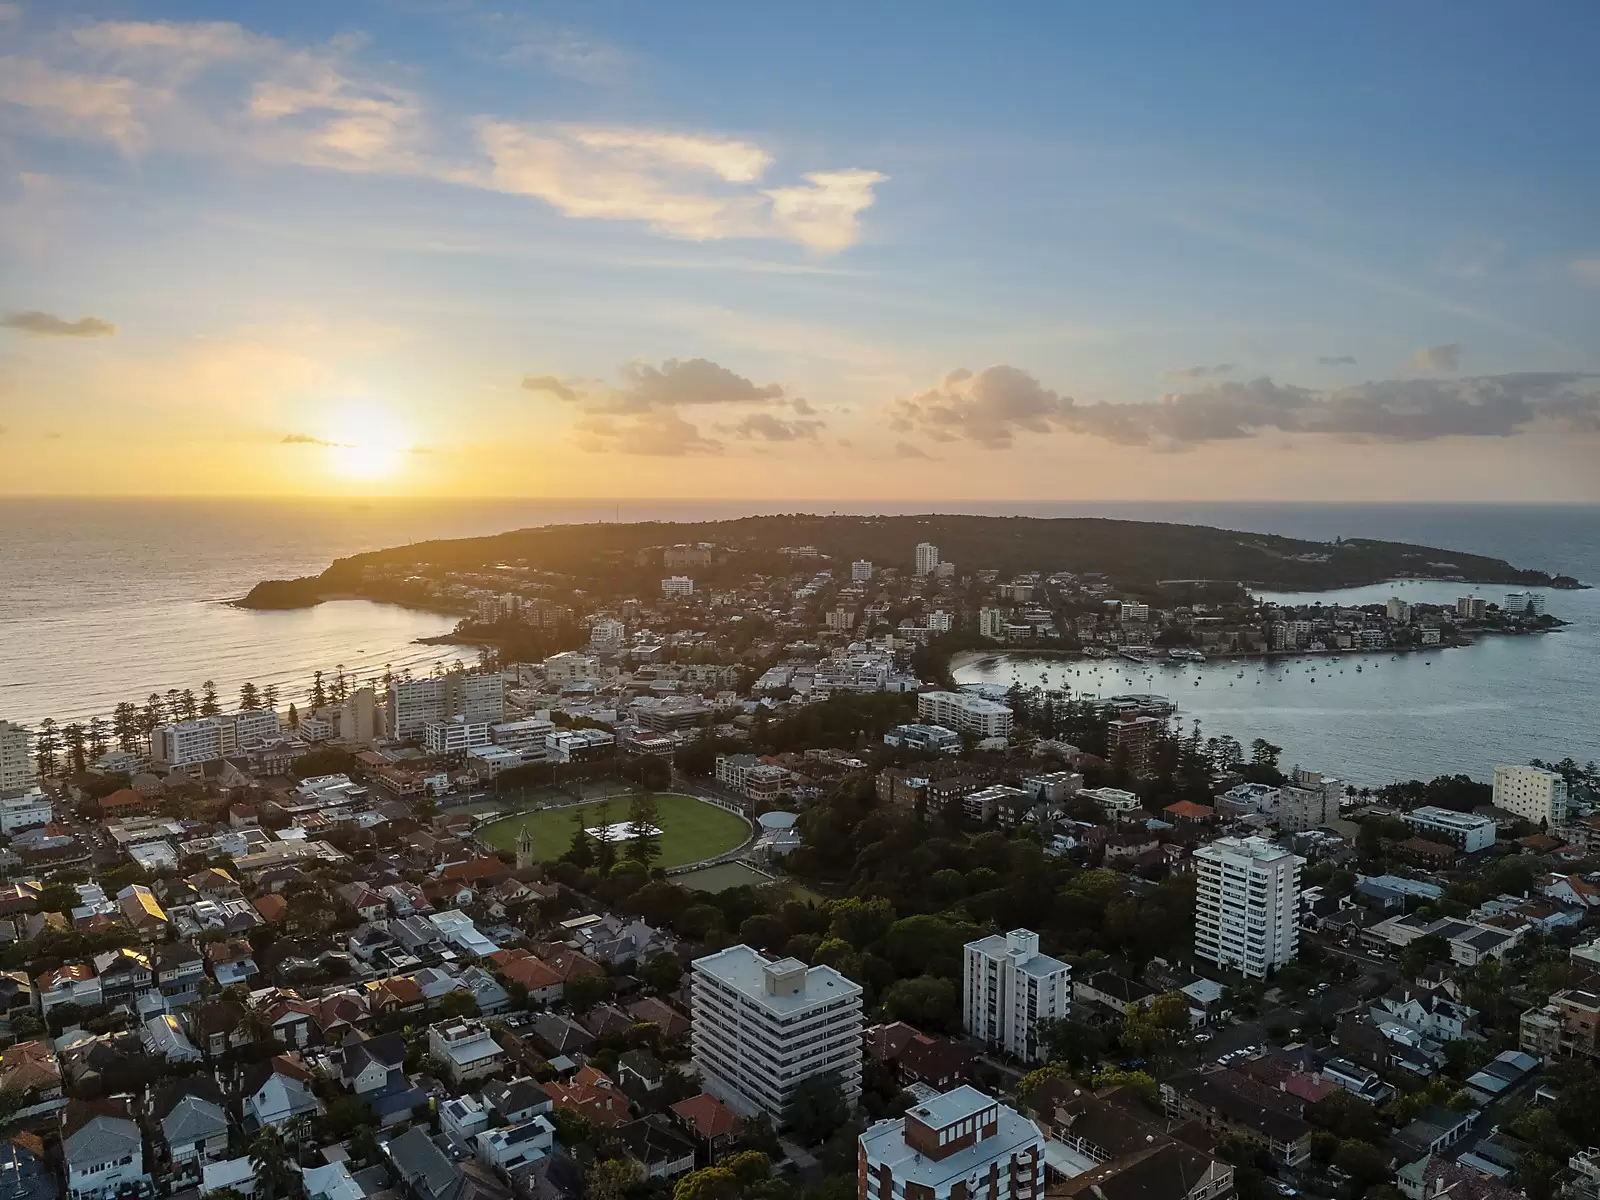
{"x": 1202, "y": 1038}
{"x": 1283, "y": 1188}
{"x": 1322, "y": 987}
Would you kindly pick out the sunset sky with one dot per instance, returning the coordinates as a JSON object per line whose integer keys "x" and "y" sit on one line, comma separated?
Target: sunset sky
{"x": 851, "y": 250}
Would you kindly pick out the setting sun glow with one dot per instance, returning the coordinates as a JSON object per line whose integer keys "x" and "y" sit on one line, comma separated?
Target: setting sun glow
{"x": 366, "y": 442}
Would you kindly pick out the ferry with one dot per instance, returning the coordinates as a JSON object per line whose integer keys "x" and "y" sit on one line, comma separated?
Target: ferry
{"x": 1184, "y": 654}
{"x": 1137, "y": 656}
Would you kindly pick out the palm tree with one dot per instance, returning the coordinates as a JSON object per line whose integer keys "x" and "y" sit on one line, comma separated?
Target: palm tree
{"x": 270, "y": 1158}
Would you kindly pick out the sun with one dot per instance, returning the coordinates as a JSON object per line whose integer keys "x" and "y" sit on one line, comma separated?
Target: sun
{"x": 366, "y": 442}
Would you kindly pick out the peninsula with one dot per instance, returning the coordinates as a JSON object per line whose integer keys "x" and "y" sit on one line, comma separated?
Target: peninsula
{"x": 1130, "y": 556}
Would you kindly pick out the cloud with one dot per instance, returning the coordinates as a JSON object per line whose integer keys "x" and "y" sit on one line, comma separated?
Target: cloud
{"x": 802, "y": 406}
{"x": 1437, "y": 360}
{"x": 42, "y": 324}
{"x": 662, "y": 434}
{"x": 1586, "y": 269}
{"x": 214, "y": 87}
{"x": 1336, "y": 360}
{"x": 686, "y": 185}
{"x": 306, "y": 439}
{"x": 766, "y": 427}
{"x": 1201, "y": 372}
{"x": 552, "y": 385}
{"x": 217, "y": 88}
{"x": 989, "y": 408}
{"x": 992, "y": 407}
{"x": 676, "y": 383}
{"x": 909, "y": 450}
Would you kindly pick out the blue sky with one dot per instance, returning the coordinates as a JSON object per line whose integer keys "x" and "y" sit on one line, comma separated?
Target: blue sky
{"x": 1030, "y": 250}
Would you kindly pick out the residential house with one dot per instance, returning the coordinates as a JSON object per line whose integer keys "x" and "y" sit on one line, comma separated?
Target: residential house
{"x": 369, "y": 904}
{"x": 556, "y": 1036}
{"x": 73, "y": 983}
{"x": 655, "y": 1011}
{"x": 278, "y": 1093}
{"x": 467, "y": 1050}
{"x": 513, "y": 1147}
{"x": 217, "y": 1026}
{"x": 232, "y": 961}
{"x": 30, "y": 1079}
{"x": 662, "y": 1150}
{"x": 102, "y": 1151}
{"x": 918, "y": 1058}
{"x": 592, "y": 1095}
{"x": 179, "y": 969}
{"x": 142, "y": 912}
{"x": 714, "y": 1125}
{"x": 1256, "y": 1116}
{"x": 163, "y": 1037}
{"x": 534, "y": 975}
{"x": 614, "y": 941}
{"x": 516, "y": 1100}
{"x": 194, "y": 1126}
{"x": 125, "y": 975}
{"x": 395, "y": 994}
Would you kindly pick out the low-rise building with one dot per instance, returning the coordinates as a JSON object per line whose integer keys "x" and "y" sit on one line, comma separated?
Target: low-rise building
{"x": 1468, "y": 832}
{"x": 955, "y": 1146}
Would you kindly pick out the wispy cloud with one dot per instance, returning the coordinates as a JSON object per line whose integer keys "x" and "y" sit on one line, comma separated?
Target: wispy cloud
{"x": 1586, "y": 269}
{"x": 218, "y": 88}
{"x": 1200, "y": 372}
{"x": 46, "y": 325}
{"x": 1336, "y": 360}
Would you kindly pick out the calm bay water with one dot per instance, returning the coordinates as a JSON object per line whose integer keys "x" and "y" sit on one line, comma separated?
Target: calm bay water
{"x": 106, "y": 600}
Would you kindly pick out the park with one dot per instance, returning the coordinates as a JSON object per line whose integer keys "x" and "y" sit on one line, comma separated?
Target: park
{"x": 691, "y": 830}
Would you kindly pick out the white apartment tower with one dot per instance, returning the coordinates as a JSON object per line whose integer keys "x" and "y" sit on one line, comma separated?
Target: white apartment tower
{"x": 1533, "y": 793}
{"x": 1008, "y": 987}
{"x": 927, "y": 559}
{"x": 414, "y": 704}
{"x": 16, "y": 768}
{"x": 964, "y": 711}
{"x": 677, "y": 585}
{"x": 761, "y": 1027}
{"x": 206, "y": 739}
{"x": 958, "y": 1146}
{"x": 861, "y": 571}
{"x": 1247, "y": 905}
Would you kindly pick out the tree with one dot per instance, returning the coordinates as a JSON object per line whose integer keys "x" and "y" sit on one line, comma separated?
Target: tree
{"x": 816, "y": 1108}
{"x": 1076, "y": 1043}
{"x": 97, "y": 742}
{"x": 46, "y": 748}
{"x": 662, "y": 972}
{"x": 613, "y": 1178}
{"x": 269, "y": 696}
{"x": 294, "y": 717}
{"x": 644, "y": 822}
{"x": 1152, "y": 1029}
{"x": 76, "y": 739}
{"x": 270, "y": 1158}
{"x": 249, "y": 696}
{"x": 1418, "y": 953}
{"x": 1363, "y": 1162}
{"x": 1264, "y": 754}
{"x": 125, "y": 726}
{"x": 708, "y": 1183}
{"x": 927, "y": 1002}
{"x": 457, "y": 1004}
{"x": 583, "y": 992}
{"x": 208, "y": 699}
{"x": 859, "y": 922}
{"x": 319, "y": 691}
{"x": 572, "y": 1128}
{"x": 1029, "y": 1085}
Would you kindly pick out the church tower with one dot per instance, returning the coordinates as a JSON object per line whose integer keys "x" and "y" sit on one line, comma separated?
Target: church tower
{"x": 524, "y": 849}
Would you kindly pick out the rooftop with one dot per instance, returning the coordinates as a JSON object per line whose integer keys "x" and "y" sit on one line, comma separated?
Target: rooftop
{"x": 784, "y": 986}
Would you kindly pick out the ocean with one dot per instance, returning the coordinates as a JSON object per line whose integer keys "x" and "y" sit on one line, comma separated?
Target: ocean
{"x": 109, "y": 600}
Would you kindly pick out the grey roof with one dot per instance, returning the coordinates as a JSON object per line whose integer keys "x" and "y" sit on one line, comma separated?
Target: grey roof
{"x": 514, "y": 1096}
{"x": 102, "y": 1139}
{"x": 423, "y": 1166}
{"x": 193, "y": 1119}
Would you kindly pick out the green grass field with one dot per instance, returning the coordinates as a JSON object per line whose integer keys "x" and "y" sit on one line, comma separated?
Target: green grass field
{"x": 690, "y": 829}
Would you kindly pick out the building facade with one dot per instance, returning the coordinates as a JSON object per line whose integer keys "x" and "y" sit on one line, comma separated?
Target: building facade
{"x": 1008, "y": 987}
{"x": 1247, "y": 905}
{"x": 414, "y": 704}
{"x": 966, "y": 712}
{"x": 16, "y": 767}
{"x": 927, "y": 559}
{"x": 677, "y": 585}
{"x": 1532, "y": 793}
{"x": 961, "y": 1145}
{"x": 1466, "y": 831}
{"x": 763, "y": 1027}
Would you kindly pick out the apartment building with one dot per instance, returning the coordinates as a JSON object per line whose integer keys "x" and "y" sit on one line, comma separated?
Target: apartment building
{"x": 749, "y": 776}
{"x": 677, "y": 585}
{"x": 1247, "y": 906}
{"x": 762, "y": 1027}
{"x": 206, "y": 739}
{"x": 1466, "y": 831}
{"x": 961, "y": 1145}
{"x": 927, "y": 559}
{"x": 1532, "y": 793}
{"x": 1117, "y": 804}
{"x": 16, "y": 767}
{"x": 414, "y": 704}
{"x": 861, "y": 571}
{"x": 1008, "y": 987}
{"x": 455, "y": 737}
{"x": 965, "y": 711}
{"x": 1136, "y": 738}
{"x": 1568, "y": 1026}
